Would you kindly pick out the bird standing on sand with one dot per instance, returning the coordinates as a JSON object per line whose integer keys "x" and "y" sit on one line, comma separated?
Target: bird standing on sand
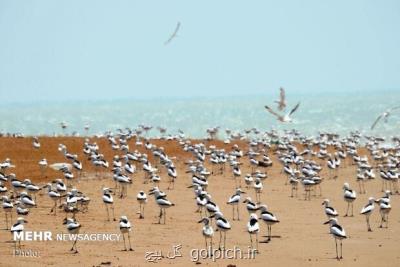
{"x": 7, "y": 207}
{"x": 269, "y": 219}
{"x": 162, "y": 202}
{"x": 73, "y": 228}
{"x": 208, "y": 232}
{"x": 54, "y": 195}
{"x": 367, "y": 211}
{"x": 234, "y": 201}
{"x": 258, "y": 187}
{"x": 125, "y": 228}
{"x": 142, "y": 200}
{"x": 384, "y": 208}
{"x": 223, "y": 226}
{"x": 349, "y": 196}
{"x": 18, "y": 228}
{"x": 253, "y": 228}
{"x": 338, "y": 233}
{"x": 108, "y": 201}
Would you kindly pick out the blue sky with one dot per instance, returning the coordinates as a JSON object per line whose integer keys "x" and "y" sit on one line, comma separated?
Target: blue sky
{"x": 88, "y": 50}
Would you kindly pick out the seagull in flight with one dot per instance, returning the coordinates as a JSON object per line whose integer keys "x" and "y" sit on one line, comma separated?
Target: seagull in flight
{"x": 174, "y": 34}
{"x": 282, "y": 99}
{"x": 283, "y": 118}
{"x": 385, "y": 115}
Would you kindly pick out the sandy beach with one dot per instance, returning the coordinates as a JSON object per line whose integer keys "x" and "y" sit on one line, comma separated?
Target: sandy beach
{"x": 299, "y": 239}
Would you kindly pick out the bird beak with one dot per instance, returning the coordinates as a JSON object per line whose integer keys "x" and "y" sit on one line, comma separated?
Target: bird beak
{"x": 322, "y": 203}
{"x": 200, "y": 221}
{"x": 151, "y": 192}
{"x": 326, "y": 222}
{"x": 212, "y": 216}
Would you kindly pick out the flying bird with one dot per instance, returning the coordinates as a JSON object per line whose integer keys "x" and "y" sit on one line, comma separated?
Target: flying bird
{"x": 174, "y": 34}
{"x": 282, "y": 99}
{"x": 283, "y": 118}
{"x": 385, "y": 115}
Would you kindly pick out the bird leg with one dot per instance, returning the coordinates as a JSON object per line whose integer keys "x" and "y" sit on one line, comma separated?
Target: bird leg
{"x": 129, "y": 238}
{"x": 341, "y": 249}
{"x": 112, "y": 208}
{"x": 348, "y": 205}
{"x": 369, "y": 227}
{"x": 220, "y": 239}
{"x": 159, "y": 217}
{"x": 352, "y": 209}
{"x": 123, "y": 236}
{"x": 337, "y": 255}
{"x": 108, "y": 213}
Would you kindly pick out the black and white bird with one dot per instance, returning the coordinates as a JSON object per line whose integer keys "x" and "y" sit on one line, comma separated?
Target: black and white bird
{"x": 223, "y": 226}
{"x": 258, "y": 188}
{"x": 250, "y": 205}
{"x": 36, "y": 143}
{"x": 54, "y": 195}
{"x": 108, "y": 201}
{"x": 17, "y": 228}
{"x": 73, "y": 228}
{"x": 234, "y": 200}
{"x": 338, "y": 233}
{"x": 208, "y": 233}
{"x": 162, "y": 202}
{"x": 349, "y": 196}
{"x": 27, "y": 200}
{"x": 329, "y": 210}
{"x": 384, "y": 208}
{"x": 367, "y": 211}
{"x": 253, "y": 228}
{"x": 141, "y": 198}
{"x": 125, "y": 228}
{"x": 269, "y": 218}
{"x": 7, "y": 208}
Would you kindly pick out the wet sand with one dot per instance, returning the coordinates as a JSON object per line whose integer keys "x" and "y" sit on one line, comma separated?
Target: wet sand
{"x": 300, "y": 239}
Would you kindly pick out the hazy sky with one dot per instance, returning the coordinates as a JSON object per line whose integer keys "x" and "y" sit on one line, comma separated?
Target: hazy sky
{"x": 115, "y": 49}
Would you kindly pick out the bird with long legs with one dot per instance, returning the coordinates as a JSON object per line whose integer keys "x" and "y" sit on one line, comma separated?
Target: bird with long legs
{"x": 73, "y": 228}
{"x": 269, "y": 219}
{"x": 7, "y": 208}
{"x": 253, "y": 228}
{"x": 141, "y": 198}
{"x": 234, "y": 200}
{"x": 162, "y": 202}
{"x": 125, "y": 228}
{"x": 17, "y": 228}
{"x": 367, "y": 211}
{"x": 338, "y": 233}
{"x": 208, "y": 233}
{"x": 223, "y": 226}
{"x": 108, "y": 201}
{"x": 349, "y": 196}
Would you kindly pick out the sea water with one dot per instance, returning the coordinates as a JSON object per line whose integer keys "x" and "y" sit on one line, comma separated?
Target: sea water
{"x": 338, "y": 112}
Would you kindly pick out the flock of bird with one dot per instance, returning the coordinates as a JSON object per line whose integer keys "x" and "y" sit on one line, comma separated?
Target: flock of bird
{"x": 305, "y": 161}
